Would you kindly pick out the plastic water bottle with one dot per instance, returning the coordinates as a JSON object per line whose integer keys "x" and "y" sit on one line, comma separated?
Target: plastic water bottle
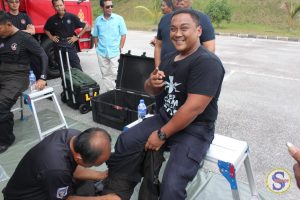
{"x": 142, "y": 109}
{"x": 32, "y": 81}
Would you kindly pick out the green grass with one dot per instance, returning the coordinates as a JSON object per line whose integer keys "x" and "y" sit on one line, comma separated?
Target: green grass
{"x": 258, "y": 29}
{"x": 261, "y": 17}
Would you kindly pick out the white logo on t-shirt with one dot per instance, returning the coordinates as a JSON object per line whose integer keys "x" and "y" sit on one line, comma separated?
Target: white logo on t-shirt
{"x": 14, "y": 46}
{"x": 171, "y": 103}
{"x": 62, "y": 192}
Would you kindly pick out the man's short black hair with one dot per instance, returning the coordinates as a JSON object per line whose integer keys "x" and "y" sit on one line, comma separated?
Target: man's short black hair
{"x": 4, "y": 17}
{"x": 189, "y": 11}
{"x": 102, "y": 2}
{"x": 53, "y": 1}
{"x": 82, "y": 145}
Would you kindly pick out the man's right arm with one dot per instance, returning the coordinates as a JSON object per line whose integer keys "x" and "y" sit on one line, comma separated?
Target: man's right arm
{"x": 29, "y": 27}
{"x": 96, "y": 40}
{"x": 207, "y": 37}
{"x": 210, "y": 45}
{"x": 58, "y": 185}
{"x": 154, "y": 84}
{"x": 157, "y": 51}
{"x": 104, "y": 197}
{"x": 51, "y": 37}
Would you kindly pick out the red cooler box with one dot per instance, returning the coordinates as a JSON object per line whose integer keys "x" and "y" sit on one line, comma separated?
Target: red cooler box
{"x": 118, "y": 107}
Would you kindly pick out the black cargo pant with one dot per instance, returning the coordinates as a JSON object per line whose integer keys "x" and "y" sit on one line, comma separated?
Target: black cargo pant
{"x": 14, "y": 80}
{"x": 187, "y": 149}
{"x": 73, "y": 57}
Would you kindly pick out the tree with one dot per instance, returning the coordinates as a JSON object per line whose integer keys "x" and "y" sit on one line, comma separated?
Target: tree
{"x": 218, "y": 10}
{"x": 291, "y": 10}
{"x": 154, "y": 12}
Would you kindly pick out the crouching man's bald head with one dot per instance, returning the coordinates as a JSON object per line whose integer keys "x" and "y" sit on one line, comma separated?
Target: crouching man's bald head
{"x": 92, "y": 147}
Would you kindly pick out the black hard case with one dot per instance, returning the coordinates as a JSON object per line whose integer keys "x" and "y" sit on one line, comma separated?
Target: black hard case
{"x": 83, "y": 85}
{"x": 118, "y": 107}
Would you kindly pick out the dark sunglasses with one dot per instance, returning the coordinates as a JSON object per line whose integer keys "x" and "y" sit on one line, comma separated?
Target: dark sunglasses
{"x": 13, "y": 1}
{"x": 110, "y": 6}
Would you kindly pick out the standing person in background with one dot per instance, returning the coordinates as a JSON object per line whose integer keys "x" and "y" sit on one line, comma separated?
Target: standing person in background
{"x": 60, "y": 28}
{"x": 24, "y": 23}
{"x": 20, "y": 20}
{"x": 109, "y": 36}
{"x": 166, "y": 7}
{"x": 16, "y": 48}
{"x": 164, "y": 45}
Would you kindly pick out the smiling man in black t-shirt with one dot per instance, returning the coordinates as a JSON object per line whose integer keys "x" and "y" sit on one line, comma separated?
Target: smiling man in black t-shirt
{"x": 190, "y": 83}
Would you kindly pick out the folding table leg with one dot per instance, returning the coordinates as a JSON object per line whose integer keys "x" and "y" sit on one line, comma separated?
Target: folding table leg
{"x": 21, "y": 106}
{"x": 61, "y": 115}
{"x": 228, "y": 171}
{"x": 36, "y": 119}
{"x": 250, "y": 177}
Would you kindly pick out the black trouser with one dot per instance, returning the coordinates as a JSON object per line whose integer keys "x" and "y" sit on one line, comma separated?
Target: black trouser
{"x": 187, "y": 149}
{"x": 14, "y": 80}
{"x": 73, "y": 57}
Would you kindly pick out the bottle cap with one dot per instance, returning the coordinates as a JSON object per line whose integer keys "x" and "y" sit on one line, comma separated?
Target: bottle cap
{"x": 142, "y": 101}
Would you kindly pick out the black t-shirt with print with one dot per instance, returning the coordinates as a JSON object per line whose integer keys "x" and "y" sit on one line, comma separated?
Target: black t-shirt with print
{"x": 46, "y": 171}
{"x": 63, "y": 27}
{"x": 20, "y": 21}
{"x": 200, "y": 73}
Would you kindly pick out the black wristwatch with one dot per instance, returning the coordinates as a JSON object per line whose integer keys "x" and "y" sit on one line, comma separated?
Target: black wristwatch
{"x": 161, "y": 135}
{"x": 43, "y": 77}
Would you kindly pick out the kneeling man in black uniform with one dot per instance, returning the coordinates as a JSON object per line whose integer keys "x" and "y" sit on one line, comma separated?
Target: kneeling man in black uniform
{"x": 16, "y": 48}
{"x": 47, "y": 171}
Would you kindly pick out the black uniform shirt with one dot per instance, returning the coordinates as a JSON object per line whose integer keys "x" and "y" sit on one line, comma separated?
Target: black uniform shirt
{"x": 18, "y": 48}
{"x": 46, "y": 171}
{"x": 63, "y": 27}
{"x": 200, "y": 73}
{"x": 20, "y": 21}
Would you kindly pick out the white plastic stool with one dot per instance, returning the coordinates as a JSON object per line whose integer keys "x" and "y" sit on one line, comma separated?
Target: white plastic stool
{"x": 32, "y": 97}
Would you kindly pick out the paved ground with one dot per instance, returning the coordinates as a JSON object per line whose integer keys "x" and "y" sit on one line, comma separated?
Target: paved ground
{"x": 259, "y": 101}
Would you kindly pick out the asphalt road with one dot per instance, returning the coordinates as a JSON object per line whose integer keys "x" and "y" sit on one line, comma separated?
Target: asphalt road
{"x": 259, "y": 102}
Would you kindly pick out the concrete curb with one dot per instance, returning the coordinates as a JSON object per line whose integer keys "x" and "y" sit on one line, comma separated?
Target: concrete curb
{"x": 243, "y": 35}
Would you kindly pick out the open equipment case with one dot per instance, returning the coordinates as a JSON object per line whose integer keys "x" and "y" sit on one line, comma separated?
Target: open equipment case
{"x": 117, "y": 108}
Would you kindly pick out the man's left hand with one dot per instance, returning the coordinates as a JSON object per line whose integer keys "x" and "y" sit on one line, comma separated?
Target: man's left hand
{"x": 154, "y": 143}
{"x": 72, "y": 39}
{"x": 40, "y": 84}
